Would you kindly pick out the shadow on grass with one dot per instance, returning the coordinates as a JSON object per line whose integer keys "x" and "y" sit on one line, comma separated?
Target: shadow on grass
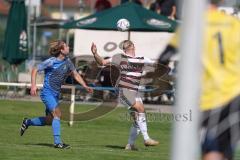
{"x": 115, "y": 147}
{"x": 40, "y": 144}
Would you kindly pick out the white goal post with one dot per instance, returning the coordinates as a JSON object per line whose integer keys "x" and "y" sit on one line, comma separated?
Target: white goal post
{"x": 185, "y": 143}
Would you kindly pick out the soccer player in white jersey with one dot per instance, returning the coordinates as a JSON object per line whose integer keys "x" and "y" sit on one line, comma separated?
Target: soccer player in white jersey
{"x": 131, "y": 68}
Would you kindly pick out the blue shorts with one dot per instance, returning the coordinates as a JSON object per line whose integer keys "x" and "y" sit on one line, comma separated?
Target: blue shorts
{"x": 50, "y": 99}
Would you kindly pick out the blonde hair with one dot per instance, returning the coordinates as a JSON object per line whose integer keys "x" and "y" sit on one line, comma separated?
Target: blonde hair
{"x": 126, "y": 44}
{"x": 55, "y": 48}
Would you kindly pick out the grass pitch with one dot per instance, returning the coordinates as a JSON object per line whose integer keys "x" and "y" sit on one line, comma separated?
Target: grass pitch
{"x": 100, "y": 139}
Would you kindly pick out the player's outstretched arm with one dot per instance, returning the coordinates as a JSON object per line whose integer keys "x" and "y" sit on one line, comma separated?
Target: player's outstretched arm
{"x": 33, "y": 82}
{"x": 79, "y": 79}
{"x": 167, "y": 54}
{"x": 98, "y": 59}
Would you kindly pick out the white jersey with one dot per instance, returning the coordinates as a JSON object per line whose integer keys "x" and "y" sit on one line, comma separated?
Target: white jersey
{"x": 131, "y": 69}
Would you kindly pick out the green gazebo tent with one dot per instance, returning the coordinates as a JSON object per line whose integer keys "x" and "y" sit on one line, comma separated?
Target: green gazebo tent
{"x": 140, "y": 19}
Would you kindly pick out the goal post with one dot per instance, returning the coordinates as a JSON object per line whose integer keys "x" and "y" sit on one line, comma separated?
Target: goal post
{"x": 185, "y": 141}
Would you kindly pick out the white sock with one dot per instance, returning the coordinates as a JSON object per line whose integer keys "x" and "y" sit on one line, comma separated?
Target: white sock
{"x": 134, "y": 131}
{"x": 142, "y": 123}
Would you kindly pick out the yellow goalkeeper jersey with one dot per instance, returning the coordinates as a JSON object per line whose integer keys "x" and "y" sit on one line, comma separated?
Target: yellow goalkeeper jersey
{"x": 221, "y": 60}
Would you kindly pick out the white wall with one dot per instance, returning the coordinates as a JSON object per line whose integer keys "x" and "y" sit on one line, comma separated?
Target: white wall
{"x": 149, "y": 44}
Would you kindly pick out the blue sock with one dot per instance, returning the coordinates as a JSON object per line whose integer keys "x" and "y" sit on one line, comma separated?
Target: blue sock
{"x": 39, "y": 121}
{"x": 56, "y": 130}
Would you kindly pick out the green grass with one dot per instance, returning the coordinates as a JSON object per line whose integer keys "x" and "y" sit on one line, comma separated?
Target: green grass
{"x": 100, "y": 139}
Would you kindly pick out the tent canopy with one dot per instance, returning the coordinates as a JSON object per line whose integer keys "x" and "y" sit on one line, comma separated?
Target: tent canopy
{"x": 15, "y": 49}
{"x": 140, "y": 19}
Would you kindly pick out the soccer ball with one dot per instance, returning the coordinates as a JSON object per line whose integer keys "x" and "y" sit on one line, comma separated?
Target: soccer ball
{"x": 123, "y": 24}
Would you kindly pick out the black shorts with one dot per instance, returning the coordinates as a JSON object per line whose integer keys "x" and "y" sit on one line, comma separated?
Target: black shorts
{"x": 221, "y": 129}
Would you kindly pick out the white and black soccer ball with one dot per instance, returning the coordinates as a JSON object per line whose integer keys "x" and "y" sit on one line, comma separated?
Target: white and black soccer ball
{"x": 123, "y": 24}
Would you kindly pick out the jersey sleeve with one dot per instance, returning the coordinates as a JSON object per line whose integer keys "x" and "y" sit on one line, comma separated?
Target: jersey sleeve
{"x": 148, "y": 61}
{"x": 116, "y": 59}
{"x": 71, "y": 66}
{"x": 174, "y": 42}
{"x": 170, "y": 50}
{"x": 45, "y": 64}
{"x": 110, "y": 60}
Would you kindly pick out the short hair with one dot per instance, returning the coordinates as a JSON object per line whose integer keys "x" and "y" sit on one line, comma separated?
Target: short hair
{"x": 126, "y": 44}
{"x": 55, "y": 47}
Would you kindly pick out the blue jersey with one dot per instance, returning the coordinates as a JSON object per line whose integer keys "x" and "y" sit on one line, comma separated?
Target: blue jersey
{"x": 56, "y": 71}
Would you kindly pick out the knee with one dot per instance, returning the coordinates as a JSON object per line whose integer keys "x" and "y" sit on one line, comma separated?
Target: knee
{"x": 141, "y": 110}
{"x": 49, "y": 119}
{"x": 56, "y": 113}
{"x": 139, "y": 107}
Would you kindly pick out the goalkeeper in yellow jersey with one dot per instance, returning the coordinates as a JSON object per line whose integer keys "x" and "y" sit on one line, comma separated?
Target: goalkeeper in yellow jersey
{"x": 220, "y": 95}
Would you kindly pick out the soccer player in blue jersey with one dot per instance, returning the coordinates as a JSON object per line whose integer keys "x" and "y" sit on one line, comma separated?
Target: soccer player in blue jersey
{"x": 56, "y": 69}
